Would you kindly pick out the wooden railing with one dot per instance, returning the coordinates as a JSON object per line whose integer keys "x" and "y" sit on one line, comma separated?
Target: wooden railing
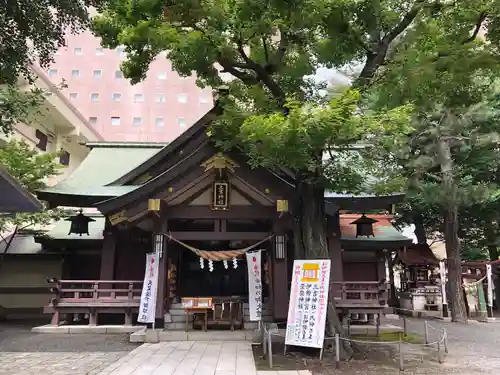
{"x": 367, "y": 293}
{"x": 92, "y": 291}
{"x": 94, "y": 297}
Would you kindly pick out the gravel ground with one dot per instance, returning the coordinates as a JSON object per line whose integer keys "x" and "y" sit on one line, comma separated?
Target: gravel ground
{"x": 25, "y": 353}
{"x": 474, "y": 349}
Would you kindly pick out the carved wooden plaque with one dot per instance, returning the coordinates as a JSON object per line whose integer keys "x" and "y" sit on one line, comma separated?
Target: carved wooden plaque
{"x": 220, "y": 196}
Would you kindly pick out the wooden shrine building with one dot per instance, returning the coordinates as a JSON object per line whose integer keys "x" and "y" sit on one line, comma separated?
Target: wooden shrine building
{"x": 193, "y": 203}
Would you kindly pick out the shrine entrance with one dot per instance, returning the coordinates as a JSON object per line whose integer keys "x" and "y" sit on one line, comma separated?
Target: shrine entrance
{"x": 215, "y": 280}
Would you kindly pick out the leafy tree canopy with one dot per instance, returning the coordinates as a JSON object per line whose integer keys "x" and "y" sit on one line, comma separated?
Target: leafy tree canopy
{"x": 33, "y": 30}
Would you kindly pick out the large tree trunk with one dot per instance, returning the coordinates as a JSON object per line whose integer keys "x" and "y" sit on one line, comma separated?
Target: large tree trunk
{"x": 457, "y": 303}
{"x": 311, "y": 222}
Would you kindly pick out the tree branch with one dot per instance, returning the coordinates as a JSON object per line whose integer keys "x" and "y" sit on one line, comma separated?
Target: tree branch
{"x": 404, "y": 23}
{"x": 377, "y": 56}
{"x": 266, "y": 49}
{"x": 262, "y": 74}
{"x": 229, "y": 65}
{"x": 477, "y": 28}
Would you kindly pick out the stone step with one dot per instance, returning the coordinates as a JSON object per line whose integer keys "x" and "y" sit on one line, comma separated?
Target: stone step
{"x": 174, "y": 318}
{"x": 176, "y": 326}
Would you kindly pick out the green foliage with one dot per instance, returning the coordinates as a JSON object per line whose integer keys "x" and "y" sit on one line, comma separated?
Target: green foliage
{"x": 33, "y": 31}
{"x": 450, "y": 76}
{"x": 31, "y": 169}
{"x": 17, "y": 105}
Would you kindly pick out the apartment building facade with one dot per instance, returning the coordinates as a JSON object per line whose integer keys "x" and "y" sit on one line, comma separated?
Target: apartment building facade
{"x": 158, "y": 109}
{"x": 59, "y": 126}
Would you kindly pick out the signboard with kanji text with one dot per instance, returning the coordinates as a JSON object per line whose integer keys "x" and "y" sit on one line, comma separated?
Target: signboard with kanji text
{"x": 308, "y": 303}
{"x": 254, "y": 285}
{"x": 148, "y": 296}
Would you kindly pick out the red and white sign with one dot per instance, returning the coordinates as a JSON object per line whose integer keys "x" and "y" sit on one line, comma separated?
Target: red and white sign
{"x": 148, "y": 297}
{"x": 308, "y": 303}
{"x": 254, "y": 285}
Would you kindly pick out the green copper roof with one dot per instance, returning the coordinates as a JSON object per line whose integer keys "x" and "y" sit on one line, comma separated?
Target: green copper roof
{"x": 105, "y": 163}
{"x": 386, "y": 237}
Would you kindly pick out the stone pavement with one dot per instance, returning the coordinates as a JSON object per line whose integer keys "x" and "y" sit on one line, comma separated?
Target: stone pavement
{"x": 23, "y": 352}
{"x": 55, "y": 363}
{"x": 190, "y": 358}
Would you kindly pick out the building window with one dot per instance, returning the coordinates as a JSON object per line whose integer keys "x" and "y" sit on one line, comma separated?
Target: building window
{"x": 117, "y": 96}
{"x": 160, "y": 121}
{"x": 115, "y": 121}
{"x": 64, "y": 157}
{"x": 182, "y": 98}
{"x": 160, "y": 98}
{"x": 94, "y": 97}
{"x": 99, "y": 51}
{"x": 78, "y": 51}
{"x": 92, "y": 120}
{"x": 138, "y": 98}
{"x": 137, "y": 121}
{"x": 118, "y": 74}
{"x": 42, "y": 140}
{"x": 75, "y": 73}
{"x": 73, "y": 95}
{"x": 181, "y": 121}
{"x": 204, "y": 99}
{"x": 52, "y": 72}
{"x": 97, "y": 73}
{"x": 120, "y": 51}
{"x": 161, "y": 75}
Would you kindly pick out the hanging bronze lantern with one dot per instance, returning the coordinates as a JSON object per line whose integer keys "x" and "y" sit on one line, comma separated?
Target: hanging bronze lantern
{"x": 364, "y": 226}
{"x": 79, "y": 224}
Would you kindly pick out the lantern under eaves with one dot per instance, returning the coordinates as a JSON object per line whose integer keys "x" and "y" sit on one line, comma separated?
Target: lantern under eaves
{"x": 79, "y": 224}
{"x": 364, "y": 226}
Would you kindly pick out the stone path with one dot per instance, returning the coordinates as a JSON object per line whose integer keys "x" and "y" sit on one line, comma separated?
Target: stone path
{"x": 23, "y": 352}
{"x": 190, "y": 358}
{"x": 55, "y": 363}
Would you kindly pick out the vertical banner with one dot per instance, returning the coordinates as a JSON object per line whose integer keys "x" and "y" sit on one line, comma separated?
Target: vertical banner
{"x": 254, "y": 285}
{"x": 307, "y": 310}
{"x": 148, "y": 297}
{"x": 489, "y": 280}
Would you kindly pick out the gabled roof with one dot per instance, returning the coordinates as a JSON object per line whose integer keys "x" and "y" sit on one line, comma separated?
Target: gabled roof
{"x": 93, "y": 180}
{"x": 114, "y": 174}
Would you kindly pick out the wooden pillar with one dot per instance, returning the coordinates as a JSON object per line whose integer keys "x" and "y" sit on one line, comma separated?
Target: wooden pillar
{"x": 279, "y": 281}
{"x": 108, "y": 255}
{"x": 335, "y": 253}
{"x": 160, "y": 227}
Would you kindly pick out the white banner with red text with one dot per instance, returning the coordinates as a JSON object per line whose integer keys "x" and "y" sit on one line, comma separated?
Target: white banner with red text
{"x": 148, "y": 297}
{"x": 254, "y": 285}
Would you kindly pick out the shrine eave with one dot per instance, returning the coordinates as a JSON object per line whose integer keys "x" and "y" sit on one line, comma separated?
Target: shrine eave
{"x": 14, "y": 197}
{"x": 84, "y": 197}
{"x": 361, "y": 202}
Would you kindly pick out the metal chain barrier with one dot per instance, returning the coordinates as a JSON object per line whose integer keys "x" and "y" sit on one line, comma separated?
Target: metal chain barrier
{"x": 441, "y": 344}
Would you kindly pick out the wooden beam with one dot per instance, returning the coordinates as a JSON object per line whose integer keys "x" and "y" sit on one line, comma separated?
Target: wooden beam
{"x": 220, "y": 236}
{"x": 191, "y": 190}
{"x": 235, "y": 213}
{"x": 250, "y": 193}
{"x": 150, "y": 188}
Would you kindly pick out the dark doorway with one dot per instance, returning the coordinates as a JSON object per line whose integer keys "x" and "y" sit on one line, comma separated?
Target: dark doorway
{"x": 221, "y": 282}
